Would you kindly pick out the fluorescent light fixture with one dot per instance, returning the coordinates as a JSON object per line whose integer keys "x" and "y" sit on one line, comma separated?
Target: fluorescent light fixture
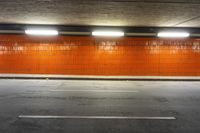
{"x": 108, "y": 33}
{"x": 173, "y": 34}
{"x": 41, "y": 32}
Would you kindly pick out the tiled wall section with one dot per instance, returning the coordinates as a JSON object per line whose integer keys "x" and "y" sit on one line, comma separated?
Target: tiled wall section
{"x": 99, "y": 56}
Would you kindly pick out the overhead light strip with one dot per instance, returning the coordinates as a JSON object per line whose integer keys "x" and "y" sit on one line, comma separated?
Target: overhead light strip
{"x": 173, "y": 34}
{"x": 54, "y": 32}
{"x": 108, "y": 33}
{"x": 41, "y": 32}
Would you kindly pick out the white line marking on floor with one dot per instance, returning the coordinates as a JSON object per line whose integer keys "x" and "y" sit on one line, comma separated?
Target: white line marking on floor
{"x": 115, "y": 91}
{"x": 93, "y": 117}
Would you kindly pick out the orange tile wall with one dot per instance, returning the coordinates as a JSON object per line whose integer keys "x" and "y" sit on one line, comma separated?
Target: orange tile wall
{"x": 99, "y": 56}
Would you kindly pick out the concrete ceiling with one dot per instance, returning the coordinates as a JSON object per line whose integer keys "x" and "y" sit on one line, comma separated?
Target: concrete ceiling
{"x": 169, "y": 13}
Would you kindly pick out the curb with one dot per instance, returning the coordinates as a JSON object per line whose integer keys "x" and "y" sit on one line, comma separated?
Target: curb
{"x": 99, "y": 78}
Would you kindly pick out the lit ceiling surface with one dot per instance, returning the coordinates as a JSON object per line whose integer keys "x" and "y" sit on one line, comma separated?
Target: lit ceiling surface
{"x": 165, "y": 13}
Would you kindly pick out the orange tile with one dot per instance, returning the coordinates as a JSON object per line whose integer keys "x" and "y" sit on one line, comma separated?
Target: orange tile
{"x": 99, "y": 56}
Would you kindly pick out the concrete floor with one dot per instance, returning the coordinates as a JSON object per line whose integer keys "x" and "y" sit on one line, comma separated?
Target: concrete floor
{"x": 99, "y": 98}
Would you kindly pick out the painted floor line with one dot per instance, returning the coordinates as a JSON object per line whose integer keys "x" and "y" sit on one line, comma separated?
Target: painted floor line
{"x": 117, "y": 91}
{"x": 94, "y": 117}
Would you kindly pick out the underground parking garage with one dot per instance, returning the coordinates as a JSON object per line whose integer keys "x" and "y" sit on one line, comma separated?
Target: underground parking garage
{"x": 99, "y": 66}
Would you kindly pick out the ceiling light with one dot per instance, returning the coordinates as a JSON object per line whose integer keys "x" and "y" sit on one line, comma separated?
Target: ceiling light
{"x": 108, "y": 33}
{"x": 41, "y": 32}
{"x": 173, "y": 34}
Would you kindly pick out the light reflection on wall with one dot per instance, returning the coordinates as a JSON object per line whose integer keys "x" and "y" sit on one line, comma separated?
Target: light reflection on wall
{"x": 173, "y": 46}
{"x": 109, "y": 46}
